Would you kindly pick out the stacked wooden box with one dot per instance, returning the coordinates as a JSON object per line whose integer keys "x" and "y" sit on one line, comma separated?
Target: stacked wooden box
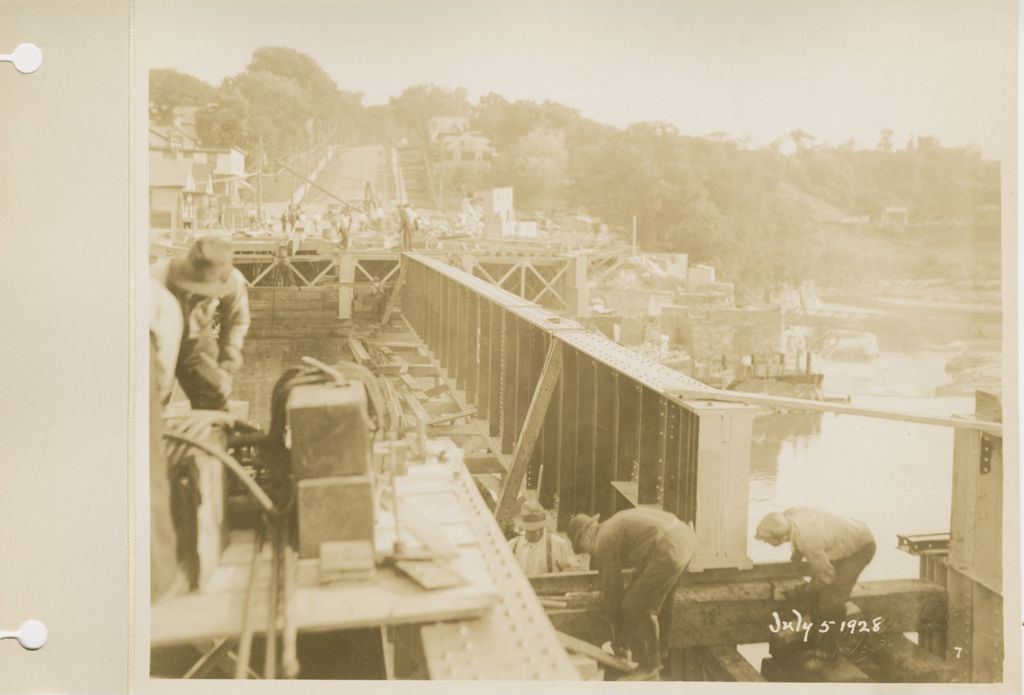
{"x": 331, "y": 453}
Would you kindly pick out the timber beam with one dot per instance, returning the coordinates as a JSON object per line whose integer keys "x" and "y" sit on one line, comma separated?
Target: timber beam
{"x": 708, "y": 615}
{"x": 549, "y": 376}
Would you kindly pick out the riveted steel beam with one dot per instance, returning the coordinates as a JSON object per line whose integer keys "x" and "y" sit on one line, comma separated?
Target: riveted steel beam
{"x": 615, "y": 416}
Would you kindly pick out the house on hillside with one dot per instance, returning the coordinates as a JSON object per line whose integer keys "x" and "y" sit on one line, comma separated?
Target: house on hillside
{"x": 469, "y": 147}
{"x": 185, "y": 117}
{"x": 171, "y": 137}
{"x": 202, "y": 190}
{"x": 446, "y": 125}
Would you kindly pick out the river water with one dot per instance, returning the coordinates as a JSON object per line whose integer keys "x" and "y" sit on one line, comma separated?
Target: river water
{"x": 894, "y": 476}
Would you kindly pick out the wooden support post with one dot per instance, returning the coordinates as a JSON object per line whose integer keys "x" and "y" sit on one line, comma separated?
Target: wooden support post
{"x": 578, "y": 286}
{"x": 396, "y": 292}
{"x": 549, "y": 377}
{"x": 974, "y": 640}
{"x": 346, "y": 276}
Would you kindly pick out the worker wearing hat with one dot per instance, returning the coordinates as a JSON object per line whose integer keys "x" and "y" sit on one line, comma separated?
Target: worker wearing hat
{"x": 210, "y": 290}
{"x": 658, "y": 547}
{"x": 538, "y": 551}
{"x": 837, "y": 550}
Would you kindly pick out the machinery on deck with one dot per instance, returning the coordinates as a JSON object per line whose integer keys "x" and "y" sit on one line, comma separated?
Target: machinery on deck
{"x": 332, "y": 527}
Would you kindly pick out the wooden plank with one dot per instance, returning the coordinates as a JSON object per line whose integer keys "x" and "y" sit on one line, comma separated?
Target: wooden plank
{"x": 549, "y": 376}
{"x": 471, "y": 429}
{"x": 396, "y": 293}
{"x": 576, "y": 582}
{"x": 838, "y": 671}
{"x": 906, "y": 662}
{"x": 740, "y": 613}
{"x": 358, "y": 350}
{"x": 727, "y": 664}
{"x": 415, "y": 405}
{"x": 386, "y": 601}
{"x": 410, "y": 519}
{"x": 578, "y": 646}
{"x": 435, "y": 391}
{"x": 484, "y": 464}
{"x": 390, "y": 344}
{"x": 469, "y": 412}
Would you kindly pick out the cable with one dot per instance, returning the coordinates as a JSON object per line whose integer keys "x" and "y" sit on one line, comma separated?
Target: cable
{"x": 231, "y": 463}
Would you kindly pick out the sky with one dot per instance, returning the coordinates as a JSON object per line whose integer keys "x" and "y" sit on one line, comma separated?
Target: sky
{"x": 837, "y": 69}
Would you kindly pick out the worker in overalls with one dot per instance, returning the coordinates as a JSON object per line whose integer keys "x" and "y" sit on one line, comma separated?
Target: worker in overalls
{"x": 657, "y": 546}
{"x": 537, "y": 550}
{"x": 215, "y": 306}
{"x": 837, "y": 550}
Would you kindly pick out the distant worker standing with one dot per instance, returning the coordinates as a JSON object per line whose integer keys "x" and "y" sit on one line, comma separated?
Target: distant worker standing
{"x": 837, "y": 550}
{"x": 409, "y": 224}
{"x": 209, "y": 289}
{"x": 658, "y": 547}
{"x": 538, "y": 551}
{"x": 344, "y": 226}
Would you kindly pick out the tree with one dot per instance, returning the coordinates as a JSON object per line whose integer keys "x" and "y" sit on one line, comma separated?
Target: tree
{"x": 325, "y": 99}
{"x": 885, "y": 141}
{"x": 170, "y": 88}
{"x": 416, "y": 105}
{"x": 537, "y": 165}
{"x": 800, "y": 139}
{"x": 255, "y": 104}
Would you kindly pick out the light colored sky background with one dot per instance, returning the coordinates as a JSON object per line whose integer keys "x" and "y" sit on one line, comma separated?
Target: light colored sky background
{"x": 835, "y": 68}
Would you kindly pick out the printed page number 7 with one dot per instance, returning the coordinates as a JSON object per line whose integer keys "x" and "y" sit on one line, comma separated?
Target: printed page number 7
{"x": 959, "y": 651}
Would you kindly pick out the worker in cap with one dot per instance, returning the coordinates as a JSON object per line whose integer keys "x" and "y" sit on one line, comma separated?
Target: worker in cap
{"x": 210, "y": 291}
{"x": 837, "y": 550}
{"x": 657, "y": 546}
{"x": 538, "y": 551}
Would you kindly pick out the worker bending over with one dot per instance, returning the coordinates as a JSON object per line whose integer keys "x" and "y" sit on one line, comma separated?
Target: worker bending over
{"x": 538, "y": 551}
{"x": 658, "y": 547}
{"x": 210, "y": 290}
{"x": 837, "y": 550}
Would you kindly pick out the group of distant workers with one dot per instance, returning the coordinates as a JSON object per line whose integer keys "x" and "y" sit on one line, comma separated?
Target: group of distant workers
{"x": 341, "y": 222}
{"x": 199, "y": 319}
{"x": 658, "y": 548}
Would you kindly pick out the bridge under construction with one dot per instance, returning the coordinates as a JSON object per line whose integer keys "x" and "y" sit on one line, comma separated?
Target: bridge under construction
{"x": 486, "y": 385}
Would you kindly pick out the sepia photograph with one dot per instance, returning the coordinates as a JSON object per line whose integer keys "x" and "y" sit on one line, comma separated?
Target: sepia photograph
{"x": 579, "y": 341}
